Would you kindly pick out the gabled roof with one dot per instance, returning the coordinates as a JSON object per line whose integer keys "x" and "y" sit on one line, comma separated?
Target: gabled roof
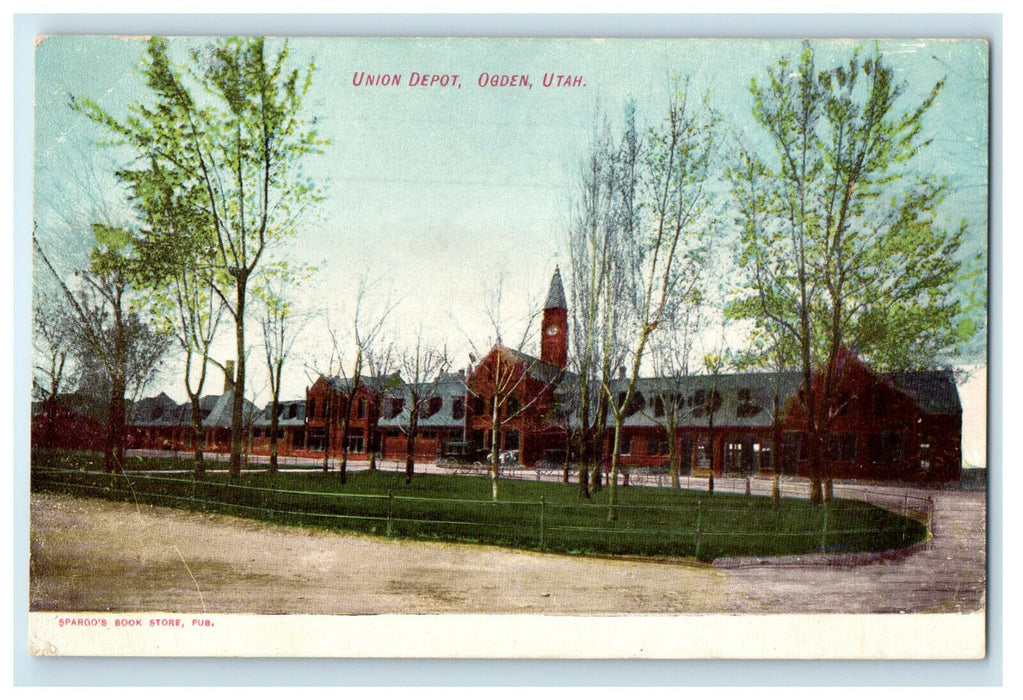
{"x": 536, "y": 368}
{"x": 448, "y": 388}
{"x": 375, "y": 384}
{"x": 221, "y": 415}
{"x": 934, "y": 390}
{"x": 746, "y": 399}
{"x": 156, "y": 411}
{"x": 290, "y": 414}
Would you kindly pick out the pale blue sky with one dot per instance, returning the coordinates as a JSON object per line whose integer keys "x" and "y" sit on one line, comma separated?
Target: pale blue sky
{"x": 427, "y": 189}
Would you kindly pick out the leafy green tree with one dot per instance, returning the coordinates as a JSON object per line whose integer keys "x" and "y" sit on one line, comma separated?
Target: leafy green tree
{"x": 228, "y": 125}
{"x": 172, "y": 264}
{"x": 841, "y": 236}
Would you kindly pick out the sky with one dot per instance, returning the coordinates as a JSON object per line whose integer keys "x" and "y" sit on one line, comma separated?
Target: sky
{"x": 430, "y": 190}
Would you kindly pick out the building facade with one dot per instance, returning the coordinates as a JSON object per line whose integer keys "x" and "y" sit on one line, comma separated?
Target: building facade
{"x": 904, "y": 426}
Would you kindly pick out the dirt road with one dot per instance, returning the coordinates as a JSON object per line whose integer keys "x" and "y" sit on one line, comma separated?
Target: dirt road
{"x": 94, "y": 555}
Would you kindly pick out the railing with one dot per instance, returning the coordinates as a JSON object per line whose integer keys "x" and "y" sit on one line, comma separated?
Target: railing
{"x": 702, "y": 527}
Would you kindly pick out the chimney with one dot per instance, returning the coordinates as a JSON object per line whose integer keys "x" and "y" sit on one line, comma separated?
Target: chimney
{"x": 228, "y": 376}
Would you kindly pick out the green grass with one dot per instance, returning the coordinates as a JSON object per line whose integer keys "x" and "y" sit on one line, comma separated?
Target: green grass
{"x": 529, "y": 515}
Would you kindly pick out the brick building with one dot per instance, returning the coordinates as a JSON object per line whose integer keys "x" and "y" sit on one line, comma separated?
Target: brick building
{"x": 901, "y": 426}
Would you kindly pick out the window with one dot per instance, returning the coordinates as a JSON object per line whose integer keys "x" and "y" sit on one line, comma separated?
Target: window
{"x": 926, "y": 456}
{"x": 430, "y": 406}
{"x": 356, "y": 443}
{"x": 685, "y": 453}
{"x": 733, "y": 455}
{"x": 880, "y": 406}
{"x": 479, "y": 439}
{"x": 704, "y": 402}
{"x": 362, "y": 407}
{"x": 395, "y": 405}
{"x": 849, "y": 447}
{"x": 747, "y": 406}
{"x": 656, "y": 445}
{"x": 885, "y": 447}
{"x": 511, "y": 440}
{"x": 626, "y": 444}
{"x": 292, "y": 410}
{"x": 458, "y": 408}
{"x": 834, "y": 449}
{"x": 658, "y": 407}
{"x": 638, "y": 402}
{"x": 702, "y": 452}
{"x": 513, "y": 405}
{"x": 792, "y": 452}
{"x": 312, "y": 407}
{"x": 479, "y": 406}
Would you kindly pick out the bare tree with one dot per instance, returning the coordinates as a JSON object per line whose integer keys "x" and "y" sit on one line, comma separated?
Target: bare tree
{"x": 52, "y": 334}
{"x": 368, "y": 322}
{"x": 421, "y": 365}
{"x": 595, "y": 244}
{"x": 671, "y": 354}
{"x": 281, "y": 327}
{"x": 507, "y": 378}
{"x": 666, "y": 250}
{"x": 382, "y": 365}
{"x": 110, "y": 331}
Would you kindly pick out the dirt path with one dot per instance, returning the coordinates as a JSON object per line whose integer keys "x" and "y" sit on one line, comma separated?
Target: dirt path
{"x": 104, "y": 556}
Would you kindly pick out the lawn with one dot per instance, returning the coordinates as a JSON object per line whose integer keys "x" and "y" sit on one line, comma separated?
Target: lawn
{"x": 530, "y": 514}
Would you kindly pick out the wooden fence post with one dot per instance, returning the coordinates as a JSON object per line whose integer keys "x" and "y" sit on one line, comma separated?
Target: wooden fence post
{"x": 699, "y": 526}
{"x": 390, "y": 501}
{"x": 824, "y": 529}
{"x": 541, "y": 522}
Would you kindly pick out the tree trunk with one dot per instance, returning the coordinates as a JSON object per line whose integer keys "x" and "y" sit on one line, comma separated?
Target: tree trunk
{"x": 410, "y": 447}
{"x": 114, "y": 453}
{"x": 327, "y": 413}
{"x": 673, "y": 465}
{"x": 343, "y": 465}
{"x": 114, "y": 456}
{"x": 238, "y": 407}
{"x": 816, "y": 486}
{"x": 198, "y": 438}
{"x": 273, "y": 436}
{"x": 584, "y": 480}
{"x": 776, "y": 457}
{"x": 612, "y": 479}
{"x": 495, "y": 438}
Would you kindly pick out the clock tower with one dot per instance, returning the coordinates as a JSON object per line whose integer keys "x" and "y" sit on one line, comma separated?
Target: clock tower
{"x": 554, "y": 331}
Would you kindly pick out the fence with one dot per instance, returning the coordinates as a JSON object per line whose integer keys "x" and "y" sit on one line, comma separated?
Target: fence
{"x": 691, "y": 525}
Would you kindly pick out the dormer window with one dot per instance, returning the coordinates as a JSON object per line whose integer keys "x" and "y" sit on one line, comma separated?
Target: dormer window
{"x": 395, "y": 405}
{"x": 747, "y": 407}
{"x": 430, "y": 406}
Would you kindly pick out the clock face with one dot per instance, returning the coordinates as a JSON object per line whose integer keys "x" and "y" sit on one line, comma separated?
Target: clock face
{"x": 552, "y": 330}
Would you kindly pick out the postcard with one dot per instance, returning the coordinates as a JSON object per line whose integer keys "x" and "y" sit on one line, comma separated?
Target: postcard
{"x": 533, "y": 348}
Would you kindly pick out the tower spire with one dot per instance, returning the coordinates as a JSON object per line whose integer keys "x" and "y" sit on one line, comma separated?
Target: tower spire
{"x": 556, "y": 294}
{"x": 554, "y": 342}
